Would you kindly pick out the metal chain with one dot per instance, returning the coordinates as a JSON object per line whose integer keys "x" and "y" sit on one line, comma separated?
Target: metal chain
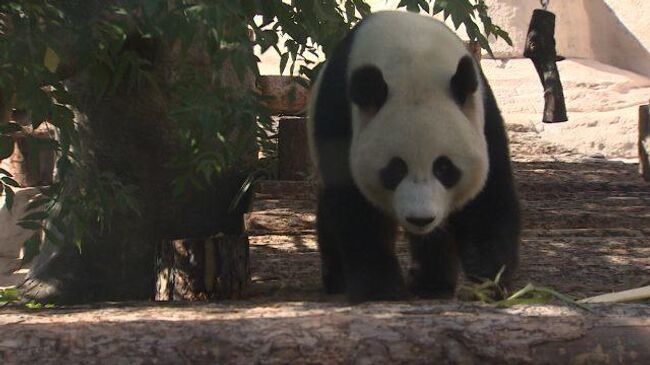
{"x": 544, "y": 3}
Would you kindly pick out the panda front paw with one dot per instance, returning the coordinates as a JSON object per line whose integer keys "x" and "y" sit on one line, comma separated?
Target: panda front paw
{"x": 364, "y": 288}
{"x": 429, "y": 286}
{"x": 333, "y": 283}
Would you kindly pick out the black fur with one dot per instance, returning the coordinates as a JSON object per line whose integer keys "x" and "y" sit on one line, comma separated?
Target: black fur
{"x": 368, "y": 89}
{"x": 393, "y": 173}
{"x": 465, "y": 81}
{"x": 446, "y": 172}
{"x": 356, "y": 240}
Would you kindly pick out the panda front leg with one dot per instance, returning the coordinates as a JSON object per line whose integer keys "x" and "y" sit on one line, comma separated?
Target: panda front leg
{"x": 357, "y": 245}
{"x": 332, "y": 271}
{"x": 487, "y": 232}
{"x": 434, "y": 270}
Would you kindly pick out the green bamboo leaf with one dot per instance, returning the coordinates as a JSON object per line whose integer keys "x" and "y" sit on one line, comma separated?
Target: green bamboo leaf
{"x": 6, "y": 180}
{"x": 31, "y": 225}
{"x": 283, "y": 62}
{"x": 9, "y": 197}
{"x": 51, "y": 60}
{"x": 31, "y": 248}
{"x": 36, "y": 216}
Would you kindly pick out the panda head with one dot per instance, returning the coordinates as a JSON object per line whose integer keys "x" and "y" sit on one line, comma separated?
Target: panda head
{"x": 418, "y": 149}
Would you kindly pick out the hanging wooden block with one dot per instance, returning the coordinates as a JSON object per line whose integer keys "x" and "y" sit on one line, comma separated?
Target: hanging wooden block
{"x": 540, "y": 48}
{"x": 644, "y": 142}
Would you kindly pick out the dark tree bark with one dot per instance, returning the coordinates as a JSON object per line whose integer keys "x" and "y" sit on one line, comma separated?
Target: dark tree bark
{"x": 200, "y": 269}
{"x": 232, "y": 266}
{"x": 294, "y": 161}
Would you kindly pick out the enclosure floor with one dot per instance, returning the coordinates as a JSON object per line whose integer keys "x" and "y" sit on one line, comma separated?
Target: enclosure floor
{"x": 586, "y": 232}
{"x": 586, "y": 227}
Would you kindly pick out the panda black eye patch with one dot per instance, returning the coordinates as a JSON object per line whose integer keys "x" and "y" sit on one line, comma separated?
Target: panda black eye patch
{"x": 446, "y": 172}
{"x": 368, "y": 89}
{"x": 393, "y": 173}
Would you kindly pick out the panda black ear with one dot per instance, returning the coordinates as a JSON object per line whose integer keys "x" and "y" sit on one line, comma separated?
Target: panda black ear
{"x": 465, "y": 81}
{"x": 368, "y": 89}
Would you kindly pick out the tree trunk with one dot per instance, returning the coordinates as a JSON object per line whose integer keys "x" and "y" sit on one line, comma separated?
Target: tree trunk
{"x": 287, "y": 97}
{"x": 130, "y": 134}
{"x": 293, "y": 152}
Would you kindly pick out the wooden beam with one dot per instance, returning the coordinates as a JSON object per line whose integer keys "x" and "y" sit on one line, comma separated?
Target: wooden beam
{"x": 621, "y": 296}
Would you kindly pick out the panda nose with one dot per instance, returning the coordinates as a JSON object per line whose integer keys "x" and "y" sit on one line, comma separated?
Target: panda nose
{"x": 420, "y": 221}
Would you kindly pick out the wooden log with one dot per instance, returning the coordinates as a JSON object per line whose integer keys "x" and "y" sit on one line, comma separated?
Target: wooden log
{"x": 327, "y": 333}
{"x": 286, "y": 96}
{"x": 293, "y": 152}
{"x": 202, "y": 268}
{"x": 644, "y": 142}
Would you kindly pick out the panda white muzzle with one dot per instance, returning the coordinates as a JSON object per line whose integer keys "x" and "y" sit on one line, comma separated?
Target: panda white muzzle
{"x": 419, "y": 206}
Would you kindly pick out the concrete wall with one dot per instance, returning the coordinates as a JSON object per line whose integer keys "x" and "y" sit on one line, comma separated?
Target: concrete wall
{"x": 609, "y": 31}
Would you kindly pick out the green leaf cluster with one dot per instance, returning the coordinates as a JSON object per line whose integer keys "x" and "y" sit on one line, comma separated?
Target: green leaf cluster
{"x": 469, "y": 13}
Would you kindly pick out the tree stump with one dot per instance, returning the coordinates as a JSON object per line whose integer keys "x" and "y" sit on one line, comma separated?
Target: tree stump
{"x": 293, "y": 152}
{"x": 202, "y": 268}
{"x": 286, "y": 96}
{"x": 644, "y": 142}
{"x": 232, "y": 270}
{"x": 32, "y": 161}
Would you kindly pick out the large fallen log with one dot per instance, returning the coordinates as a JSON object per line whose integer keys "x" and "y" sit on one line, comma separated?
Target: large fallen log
{"x": 322, "y": 333}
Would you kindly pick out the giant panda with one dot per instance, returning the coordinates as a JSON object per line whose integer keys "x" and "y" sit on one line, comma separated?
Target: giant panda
{"x": 404, "y": 131}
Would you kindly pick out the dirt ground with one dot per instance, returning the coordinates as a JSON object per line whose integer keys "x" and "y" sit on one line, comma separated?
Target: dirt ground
{"x": 586, "y": 226}
{"x": 586, "y": 232}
